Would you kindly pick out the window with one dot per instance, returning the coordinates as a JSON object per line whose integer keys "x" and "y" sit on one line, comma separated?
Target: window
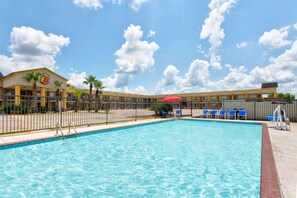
{"x": 214, "y": 98}
{"x": 224, "y": 97}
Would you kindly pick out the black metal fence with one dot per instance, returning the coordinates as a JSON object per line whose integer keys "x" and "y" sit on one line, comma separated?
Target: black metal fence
{"x": 29, "y": 113}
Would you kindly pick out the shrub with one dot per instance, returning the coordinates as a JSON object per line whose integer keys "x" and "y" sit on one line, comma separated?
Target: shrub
{"x": 17, "y": 109}
{"x": 8, "y": 108}
{"x": 158, "y": 107}
{"x": 43, "y": 109}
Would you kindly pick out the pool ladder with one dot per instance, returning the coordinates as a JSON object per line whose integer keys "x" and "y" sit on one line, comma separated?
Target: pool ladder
{"x": 71, "y": 125}
{"x": 59, "y": 128}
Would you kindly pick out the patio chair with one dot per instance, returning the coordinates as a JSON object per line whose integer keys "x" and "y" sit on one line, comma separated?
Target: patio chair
{"x": 222, "y": 114}
{"x": 205, "y": 113}
{"x": 232, "y": 114}
{"x": 178, "y": 113}
{"x": 270, "y": 117}
{"x": 242, "y": 114}
{"x": 164, "y": 114}
{"x": 213, "y": 113}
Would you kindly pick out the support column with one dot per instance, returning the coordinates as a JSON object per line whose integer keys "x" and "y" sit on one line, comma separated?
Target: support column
{"x": 275, "y": 95}
{"x": 64, "y": 99}
{"x": 17, "y": 93}
{"x": 42, "y": 94}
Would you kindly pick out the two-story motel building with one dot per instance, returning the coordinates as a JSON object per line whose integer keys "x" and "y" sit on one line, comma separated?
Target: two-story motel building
{"x": 14, "y": 84}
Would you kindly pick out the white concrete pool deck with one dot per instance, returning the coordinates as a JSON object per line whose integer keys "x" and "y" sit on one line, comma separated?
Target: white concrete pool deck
{"x": 284, "y": 144}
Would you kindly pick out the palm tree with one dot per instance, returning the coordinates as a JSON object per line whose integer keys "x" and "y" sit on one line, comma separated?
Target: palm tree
{"x": 33, "y": 76}
{"x": 90, "y": 80}
{"x": 77, "y": 94}
{"x": 69, "y": 85}
{"x": 99, "y": 87}
{"x": 58, "y": 85}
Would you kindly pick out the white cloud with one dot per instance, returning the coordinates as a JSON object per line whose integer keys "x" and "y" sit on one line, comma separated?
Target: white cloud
{"x": 134, "y": 57}
{"x": 117, "y": 2}
{"x": 241, "y": 45}
{"x": 31, "y": 48}
{"x": 170, "y": 77}
{"x": 280, "y": 69}
{"x": 237, "y": 78}
{"x": 275, "y": 38}
{"x": 196, "y": 76}
{"x": 125, "y": 89}
{"x": 77, "y": 79}
{"x": 199, "y": 49}
{"x": 212, "y": 28}
{"x": 151, "y": 33}
{"x": 94, "y": 4}
{"x": 136, "y": 90}
{"x": 295, "y": 26}
{"x": 136, "y": 4}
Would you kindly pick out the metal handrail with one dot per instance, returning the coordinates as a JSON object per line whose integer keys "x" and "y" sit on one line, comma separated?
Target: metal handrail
{"x": 59, "y": 128}
{"x": 70, "y": 124}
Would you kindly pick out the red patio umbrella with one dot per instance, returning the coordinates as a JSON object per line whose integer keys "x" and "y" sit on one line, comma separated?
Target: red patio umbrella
{"x": 171, "y": 98}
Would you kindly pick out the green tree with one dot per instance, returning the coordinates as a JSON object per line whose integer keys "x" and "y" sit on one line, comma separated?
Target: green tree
{"x": 99, "y": 89}
{"x": 69, "y": 85}
{"x": 34, "y": 77}
{"x": 58, "y": 85}
{"x": 289, "y": 96}
{"x": 286, "y": 96}
{"x": 90, "y": 80}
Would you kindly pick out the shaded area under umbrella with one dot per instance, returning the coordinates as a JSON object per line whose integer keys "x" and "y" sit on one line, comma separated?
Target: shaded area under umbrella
{"x": 172, "y": 99}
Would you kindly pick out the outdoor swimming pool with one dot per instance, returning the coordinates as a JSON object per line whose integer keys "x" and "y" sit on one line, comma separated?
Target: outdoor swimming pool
{"x": 173, "y": 158}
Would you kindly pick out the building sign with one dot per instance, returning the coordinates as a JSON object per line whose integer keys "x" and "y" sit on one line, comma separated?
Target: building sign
{"x": 44, "y": 79}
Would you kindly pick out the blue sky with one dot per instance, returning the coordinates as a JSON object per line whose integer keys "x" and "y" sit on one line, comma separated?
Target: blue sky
{"x": 150, "y": 46}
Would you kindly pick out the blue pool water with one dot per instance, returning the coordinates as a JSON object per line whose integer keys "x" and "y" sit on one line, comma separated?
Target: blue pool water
{"x": 169, "y": 159}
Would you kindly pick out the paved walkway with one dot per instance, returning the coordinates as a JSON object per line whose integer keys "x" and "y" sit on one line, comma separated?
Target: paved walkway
{"x": 284, "y": 145}
{"x": 39, "y": 135}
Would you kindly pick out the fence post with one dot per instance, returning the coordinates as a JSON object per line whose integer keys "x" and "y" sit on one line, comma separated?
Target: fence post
{"x": 255, "y": 114}
{"x": 60, "y": 110}
{"x": 181, "y": 109}
{"x": 191, "y": 108}
{"x": 135, "y": 111}
{"x": 107, "y": 108}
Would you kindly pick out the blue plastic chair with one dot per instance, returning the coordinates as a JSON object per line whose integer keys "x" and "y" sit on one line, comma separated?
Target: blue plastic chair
{"x": 213, "y": 113}
{"x": 178, "y": 112}
{"x": 205, "y": 113}
{"x": 242, "y": 113}
{"x": 270, "y": 117}
{"x": 232, "y": 113}
{"x": 222, "y": 114}
{"x": 164, "y": 114}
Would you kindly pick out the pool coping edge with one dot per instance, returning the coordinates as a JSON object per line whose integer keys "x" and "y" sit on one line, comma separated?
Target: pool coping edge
{"x": 269, "y": 182}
